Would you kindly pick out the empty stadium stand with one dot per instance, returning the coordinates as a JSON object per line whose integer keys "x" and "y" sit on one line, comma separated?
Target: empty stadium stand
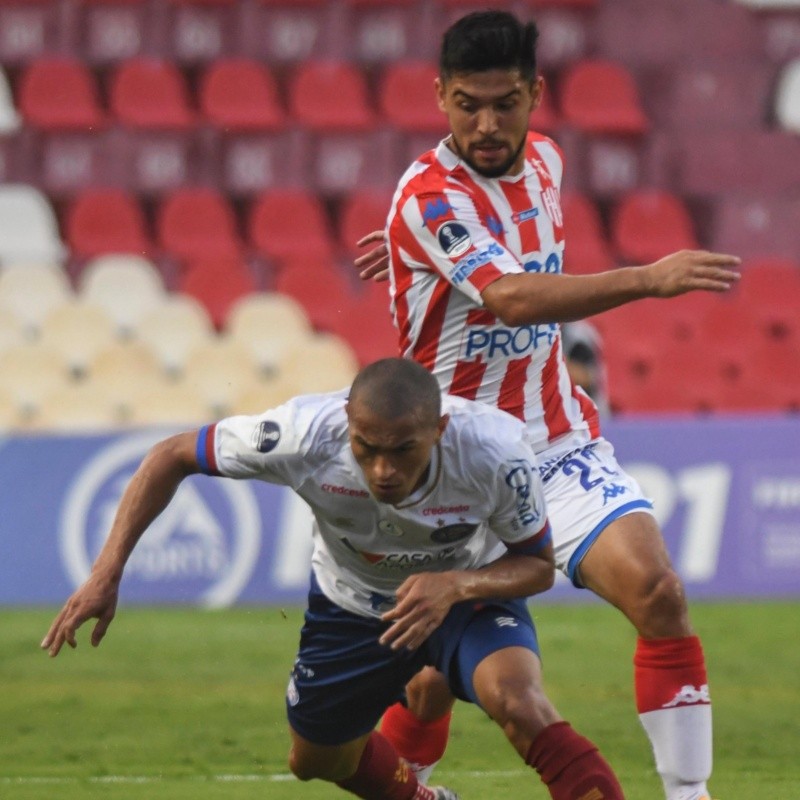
{"x": 180, "y": 177}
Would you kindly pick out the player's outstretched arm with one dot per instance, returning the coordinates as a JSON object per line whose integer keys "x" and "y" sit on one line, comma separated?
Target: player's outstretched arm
{"x": 146, "y": 496}
{"x": 530, "y": 298}
{"x": 423, "y": 600}
{"x": 375, "y": 262}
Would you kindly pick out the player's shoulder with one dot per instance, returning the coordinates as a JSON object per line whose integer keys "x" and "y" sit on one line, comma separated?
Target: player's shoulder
{"x": 481, "y": 425}
{"x": 538, "y": 145}
{"x": 318, "y": 420}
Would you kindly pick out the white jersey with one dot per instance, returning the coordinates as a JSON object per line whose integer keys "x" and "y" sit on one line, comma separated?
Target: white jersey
{"x": 483, "y": 473}
{"x": 452, "y": 232}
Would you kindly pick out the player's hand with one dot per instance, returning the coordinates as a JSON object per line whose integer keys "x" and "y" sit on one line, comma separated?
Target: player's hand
{"x": 423, "y": 601}
{"x": 690, "y": 270}
{"x": 374, "y": 263}
{"x": 95, "y": 599}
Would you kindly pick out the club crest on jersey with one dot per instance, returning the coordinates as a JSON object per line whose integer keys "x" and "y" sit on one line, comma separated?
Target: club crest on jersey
{"x": 266, "y": 436}
{"x": 390, "y": 528}
{"x": 453, "y": 533}
{"x": 453, "y": 238}
{"x": 552, "y": 205}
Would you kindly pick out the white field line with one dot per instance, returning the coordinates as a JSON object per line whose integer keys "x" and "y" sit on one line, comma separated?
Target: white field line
{"x": 32, "y": 780}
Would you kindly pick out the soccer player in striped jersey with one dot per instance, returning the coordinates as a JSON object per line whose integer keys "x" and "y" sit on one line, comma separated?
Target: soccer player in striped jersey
{"x": 474, "y": 248}
{"x": 405, "y": 572}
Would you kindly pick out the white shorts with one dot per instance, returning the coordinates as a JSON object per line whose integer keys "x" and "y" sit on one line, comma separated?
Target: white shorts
{"x": 586, "y": 490}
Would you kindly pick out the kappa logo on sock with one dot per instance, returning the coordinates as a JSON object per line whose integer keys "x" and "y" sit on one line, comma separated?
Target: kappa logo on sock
{"x": 592, "y": 794}
{"x": 689, "y": 696}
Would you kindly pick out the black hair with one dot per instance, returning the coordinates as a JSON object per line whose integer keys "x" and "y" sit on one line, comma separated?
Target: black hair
{"x": 487, "y": 40}
{"x": 395, "y": 387}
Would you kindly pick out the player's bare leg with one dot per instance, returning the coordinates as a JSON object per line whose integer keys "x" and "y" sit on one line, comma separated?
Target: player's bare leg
{"x": 630, "y": 568}
{"x": 509, "y": 687}
{"x": 368, "y": 767}
{"x": 419, "y": 730}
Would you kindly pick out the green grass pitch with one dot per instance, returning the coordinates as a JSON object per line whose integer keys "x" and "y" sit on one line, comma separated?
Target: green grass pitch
{"x": 181, "y": 704}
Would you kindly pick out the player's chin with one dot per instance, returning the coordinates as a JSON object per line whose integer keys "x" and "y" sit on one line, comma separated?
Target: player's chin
{"x": 388, "y": 495}
{"x": 491, "y": 166}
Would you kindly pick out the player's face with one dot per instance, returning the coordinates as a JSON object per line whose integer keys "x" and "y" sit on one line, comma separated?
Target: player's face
{"x": 489, "y": 117}
{"x": 393, "y": 455}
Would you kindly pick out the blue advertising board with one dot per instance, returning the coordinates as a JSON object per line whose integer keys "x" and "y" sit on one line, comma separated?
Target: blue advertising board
{"x": 726, "y": 492}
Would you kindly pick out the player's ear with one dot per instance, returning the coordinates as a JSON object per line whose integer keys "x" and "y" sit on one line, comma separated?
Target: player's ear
{"x": 441, "y": 92}
{"x": 538, "y": 89}
{"x": 443, "y": 420}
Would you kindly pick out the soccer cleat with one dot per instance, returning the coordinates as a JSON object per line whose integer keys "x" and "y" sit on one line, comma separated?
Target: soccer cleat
{"x": 443, "y": 793}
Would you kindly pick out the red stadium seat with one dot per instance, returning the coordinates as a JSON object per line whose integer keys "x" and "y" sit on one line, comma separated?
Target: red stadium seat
{"x": 767, "y": 162}
{"x": 245, "y": 164}
{"x": 600, "y": 96}
{"x": 197, "y": 223}
{"x": 290, "y": 223}
{"x": 60, "y": 94}
{"x": 565, "y": 34}
{"x": 368, "y": 327}
{"x": 68, "y": 161}
{"x": 712, "y": 96}
{"x": 386, "y": 31}
{"x": 218, "y": 283}
{"x": 199, "y": 31}
{"x": 342, "y": 162}
{"x": 361, "y": 213}
{"x": 546, "y": 118}
{"x": 647, "y": 225}
{"x": 283, "y": 32}
{"x": 586, "y": 248}
{"x": 754, "y": 226}
{"x": 330, "y": 96}
{"x": 28, "y": 29}
{"x": 407, "y": 97}
{"x": 101, "y": 221}
{"x": 771, "y": 288}
{"x": 674, "y": 32}
{"x": 110, "y": 31}
{"x": 150, "y": 94}
{"x": 240, "y": 94}
{"x": 322, "y": 288}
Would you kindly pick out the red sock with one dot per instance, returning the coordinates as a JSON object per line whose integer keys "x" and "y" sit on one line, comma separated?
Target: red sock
{"x": 383, "y": 775}
{"x": 571, "y": 767}
{"x": 669, "y": 672}
{"x": 419, "y": 742}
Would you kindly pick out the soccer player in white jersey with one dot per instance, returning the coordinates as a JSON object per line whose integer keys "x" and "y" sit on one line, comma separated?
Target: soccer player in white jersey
{"x": 474, "y": 246}
{"x": 404, "y": 573}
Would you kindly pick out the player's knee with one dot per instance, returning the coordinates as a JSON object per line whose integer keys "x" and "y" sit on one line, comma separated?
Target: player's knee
{"x": 662, "y": 605}
{"x": 428, "y": 695}
{"x": 307, "y": 769}
{"x": 521, "y": 711}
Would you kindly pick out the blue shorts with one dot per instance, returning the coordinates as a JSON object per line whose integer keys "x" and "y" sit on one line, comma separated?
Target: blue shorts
{"x": 343, "y": 679}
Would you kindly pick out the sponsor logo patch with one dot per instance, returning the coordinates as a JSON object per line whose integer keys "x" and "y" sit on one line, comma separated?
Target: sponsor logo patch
{"x": 453, "y": 533}
{"x": 454, "y": 239}
{"x": 266, "y": 436}
{"x": 689, "y": 696}
{"x": 435, "y": 209}
{"x": 523, "y": 216}
{"x": 464, "y": 268}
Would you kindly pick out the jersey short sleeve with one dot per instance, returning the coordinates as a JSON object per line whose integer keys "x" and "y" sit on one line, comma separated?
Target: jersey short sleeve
{"x": 274, "y": 446}
{"x": 447, "y": 230}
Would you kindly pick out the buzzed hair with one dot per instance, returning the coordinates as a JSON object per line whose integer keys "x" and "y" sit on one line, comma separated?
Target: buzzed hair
{"x": 487, "y": 40}
{"x": 395, "y": 387}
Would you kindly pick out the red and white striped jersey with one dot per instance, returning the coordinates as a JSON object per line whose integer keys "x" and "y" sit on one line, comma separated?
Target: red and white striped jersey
{"x": 452, "y": 232}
